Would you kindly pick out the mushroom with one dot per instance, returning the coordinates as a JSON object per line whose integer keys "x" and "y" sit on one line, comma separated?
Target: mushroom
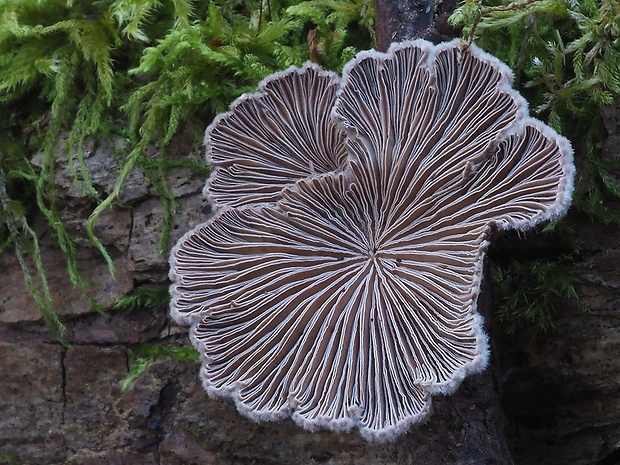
{"x": 347, "y": 298}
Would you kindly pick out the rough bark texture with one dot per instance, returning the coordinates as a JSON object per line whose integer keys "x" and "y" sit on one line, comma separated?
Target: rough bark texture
{"x": 398, "y": 20}
{"x": 63, "y": 405}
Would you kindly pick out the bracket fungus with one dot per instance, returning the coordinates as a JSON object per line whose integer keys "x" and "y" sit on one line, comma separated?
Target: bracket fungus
{"x": 337, "y": 281}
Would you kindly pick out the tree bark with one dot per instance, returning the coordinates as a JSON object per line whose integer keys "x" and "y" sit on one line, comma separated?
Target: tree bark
{"x": 398, "y": 20}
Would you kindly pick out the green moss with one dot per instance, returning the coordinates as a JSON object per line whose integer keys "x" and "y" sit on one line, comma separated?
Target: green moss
{"x": 530, "y": 293}
{"x": 9, "y": 459}
{"x": 143, "y": 356}
{"x": 150, "y": 66}
{"x": 143, "y": 297}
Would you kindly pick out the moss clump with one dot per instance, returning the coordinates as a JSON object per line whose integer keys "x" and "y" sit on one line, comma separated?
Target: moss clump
{"x": 144, "y": 297}
{"x": 86, "y": 68}
{"x": 143, "y": 356}
{"x": 530, "y": 293}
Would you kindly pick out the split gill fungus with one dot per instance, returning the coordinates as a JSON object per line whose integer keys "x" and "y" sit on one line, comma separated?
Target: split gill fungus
{"x": 337, "y": 281}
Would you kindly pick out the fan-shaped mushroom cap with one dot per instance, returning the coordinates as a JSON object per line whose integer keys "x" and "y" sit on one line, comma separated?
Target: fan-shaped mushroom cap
{"x": 351, "y": 300}
{"x": 272, "y": 138}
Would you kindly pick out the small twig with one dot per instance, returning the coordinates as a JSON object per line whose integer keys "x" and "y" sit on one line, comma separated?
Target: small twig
{"x": 536, "y": 32}
{"x": 260, "y": 14}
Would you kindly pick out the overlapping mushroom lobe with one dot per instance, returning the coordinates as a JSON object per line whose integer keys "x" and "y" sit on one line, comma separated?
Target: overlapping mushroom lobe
{"x": 270, "y": 139}
{"x": 349, "y": 299}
